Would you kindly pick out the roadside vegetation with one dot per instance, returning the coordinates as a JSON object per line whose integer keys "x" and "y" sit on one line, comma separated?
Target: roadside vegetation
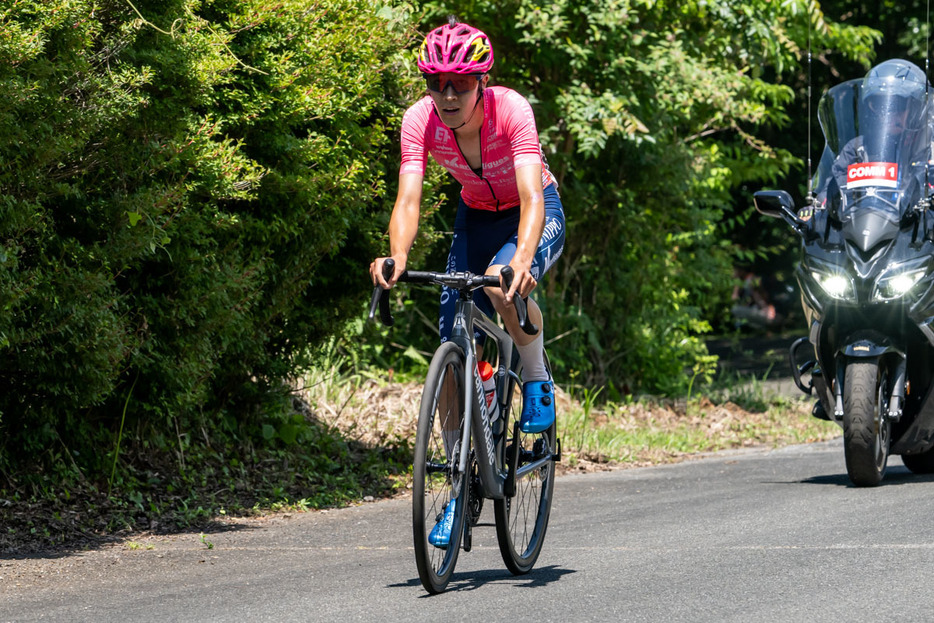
{"x": 349, "y": 439}
{"x": 733, "y": 412}
{"x": 191, "y": 191}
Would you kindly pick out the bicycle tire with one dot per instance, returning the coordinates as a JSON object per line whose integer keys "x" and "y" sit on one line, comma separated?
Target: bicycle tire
{"x": 521, "y": 521}
{"x": 435, "y": 481}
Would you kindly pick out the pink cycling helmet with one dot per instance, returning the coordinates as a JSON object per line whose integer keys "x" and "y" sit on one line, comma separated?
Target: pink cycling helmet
{"x": 455, "y": 48}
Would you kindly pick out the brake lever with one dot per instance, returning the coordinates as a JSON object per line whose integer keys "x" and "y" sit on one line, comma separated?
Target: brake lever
{"x": 381, "y": 297}
{"x": 521, "y": 304}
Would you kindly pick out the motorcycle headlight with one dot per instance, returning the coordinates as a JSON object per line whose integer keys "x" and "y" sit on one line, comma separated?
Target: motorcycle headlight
{"x": 896, "y": 285}
{"x": 836, "y": 285}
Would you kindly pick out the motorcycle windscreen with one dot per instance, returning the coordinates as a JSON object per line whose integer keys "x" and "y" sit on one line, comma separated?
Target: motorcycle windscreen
{"x": 872, "y": 170}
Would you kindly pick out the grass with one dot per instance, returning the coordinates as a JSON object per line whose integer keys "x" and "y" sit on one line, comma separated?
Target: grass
{"x": 647, "y": 432}
{"x": 736, "y": 413}
{"x": 349, "y": 439}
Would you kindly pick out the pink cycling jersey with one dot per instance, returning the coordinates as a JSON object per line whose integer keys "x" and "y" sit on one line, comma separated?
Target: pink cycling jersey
{"x": 508, "y": 141}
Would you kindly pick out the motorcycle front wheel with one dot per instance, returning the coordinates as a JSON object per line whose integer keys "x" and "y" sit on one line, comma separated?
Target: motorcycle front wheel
{"x": 866, "y": 430}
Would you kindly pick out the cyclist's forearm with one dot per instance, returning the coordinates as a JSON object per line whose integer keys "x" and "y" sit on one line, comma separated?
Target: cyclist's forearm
{"x": 403, "y": 225}
{"x": 532, "y": 216}
{"x": 531, "y": 226}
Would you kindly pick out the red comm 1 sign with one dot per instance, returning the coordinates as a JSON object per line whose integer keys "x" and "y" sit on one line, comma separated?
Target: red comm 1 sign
{"x": 872, "y": 174}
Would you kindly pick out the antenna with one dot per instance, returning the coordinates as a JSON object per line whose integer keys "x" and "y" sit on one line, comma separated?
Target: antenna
{"x": 811, "y": 197}
{"x": 927, "y": 101}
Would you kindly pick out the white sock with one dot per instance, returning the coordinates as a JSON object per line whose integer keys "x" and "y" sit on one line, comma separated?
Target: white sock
{"x": 533, "y": 359}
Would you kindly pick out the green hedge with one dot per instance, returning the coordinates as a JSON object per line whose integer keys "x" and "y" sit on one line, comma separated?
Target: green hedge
{"x": 186, "y": 189}
{"x": 191, "y": 190}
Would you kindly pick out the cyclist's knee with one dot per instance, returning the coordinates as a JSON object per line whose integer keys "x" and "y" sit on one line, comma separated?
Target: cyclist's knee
{"x": 498, "y": 299}
{"x": 495, "y": 295}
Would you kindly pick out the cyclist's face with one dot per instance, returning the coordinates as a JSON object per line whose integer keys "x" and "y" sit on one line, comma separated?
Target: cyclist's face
{"x": 454, "y": 95}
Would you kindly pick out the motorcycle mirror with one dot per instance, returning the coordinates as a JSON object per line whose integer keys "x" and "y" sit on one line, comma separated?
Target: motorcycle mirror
{"x": 778, "y": 204}
{"x": 774, "y": 203}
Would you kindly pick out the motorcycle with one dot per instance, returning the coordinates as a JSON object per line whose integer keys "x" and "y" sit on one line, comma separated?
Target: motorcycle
{"x": 866, "y": 271}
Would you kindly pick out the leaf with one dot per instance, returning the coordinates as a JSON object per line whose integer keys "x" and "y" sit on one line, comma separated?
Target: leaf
{"x": 416, "y": 356}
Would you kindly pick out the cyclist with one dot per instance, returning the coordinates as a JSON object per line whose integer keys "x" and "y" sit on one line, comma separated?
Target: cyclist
{"x": 509, "y": 211}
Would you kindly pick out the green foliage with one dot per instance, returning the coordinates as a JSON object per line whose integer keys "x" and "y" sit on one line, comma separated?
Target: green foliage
{"x": 187, "y": 188}
{"x": 649, "y": 113}
{"x": 191, "y": 191}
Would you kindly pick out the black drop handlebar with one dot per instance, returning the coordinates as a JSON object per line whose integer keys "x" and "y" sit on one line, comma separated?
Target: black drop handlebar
{"x": 462, "y": 282}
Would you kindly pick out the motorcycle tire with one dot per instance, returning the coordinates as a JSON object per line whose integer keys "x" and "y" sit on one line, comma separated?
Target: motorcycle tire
{"x": 866, "y": 432}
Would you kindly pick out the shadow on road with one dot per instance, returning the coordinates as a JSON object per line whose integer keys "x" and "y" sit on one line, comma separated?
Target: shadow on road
{"x": 93, "y": 542}
{"x": 895, "y": 475}
{"x": 478, "y": 579}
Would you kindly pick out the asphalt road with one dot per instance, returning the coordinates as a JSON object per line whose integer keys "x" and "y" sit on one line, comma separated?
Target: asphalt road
{"x": 751, "y": 536}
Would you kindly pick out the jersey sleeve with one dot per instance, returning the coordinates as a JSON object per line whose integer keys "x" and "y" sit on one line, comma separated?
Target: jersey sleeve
{"x": 414, "y": 132}
{"x": 523, "y": 135}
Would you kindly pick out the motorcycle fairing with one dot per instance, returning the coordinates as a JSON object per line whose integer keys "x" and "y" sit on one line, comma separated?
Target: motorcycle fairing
{"x": 873, "y": 169}
{"x": 868, "y": 344}
{"x": 919, "y": 436}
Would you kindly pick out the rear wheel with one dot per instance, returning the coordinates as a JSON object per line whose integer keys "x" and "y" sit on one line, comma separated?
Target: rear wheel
{"x": 521, "y": 520}
{"x": 436, "y": 478}
{"x": 866, "y": 430}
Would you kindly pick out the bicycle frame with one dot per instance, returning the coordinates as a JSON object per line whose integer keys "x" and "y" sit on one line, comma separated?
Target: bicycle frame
{"x": 496, "y": 477}
{"x": 489, "y": 454}
{"x": 494, "y": 473}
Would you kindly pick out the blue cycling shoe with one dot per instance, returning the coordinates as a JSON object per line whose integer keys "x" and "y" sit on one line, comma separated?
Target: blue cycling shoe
{"x": 440, "y": 535}
{"x": 538, "y": 406}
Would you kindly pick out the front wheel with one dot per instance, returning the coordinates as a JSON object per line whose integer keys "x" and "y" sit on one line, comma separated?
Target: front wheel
{"x": 866, "y": 429}
{"x": 521, "y": 520}
{"x": 437, "y": 479}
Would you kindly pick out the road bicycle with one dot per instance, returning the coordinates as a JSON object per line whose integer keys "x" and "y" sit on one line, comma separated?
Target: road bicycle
{"x": 487, "y": 460}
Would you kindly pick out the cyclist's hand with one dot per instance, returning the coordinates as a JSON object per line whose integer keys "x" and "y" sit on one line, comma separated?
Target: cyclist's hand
{"x": 523, "y": 283}
{"x": 376, "y": 271}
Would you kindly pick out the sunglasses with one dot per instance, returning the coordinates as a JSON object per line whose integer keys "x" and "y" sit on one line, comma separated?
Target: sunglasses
{"x": 461, "y": 82}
